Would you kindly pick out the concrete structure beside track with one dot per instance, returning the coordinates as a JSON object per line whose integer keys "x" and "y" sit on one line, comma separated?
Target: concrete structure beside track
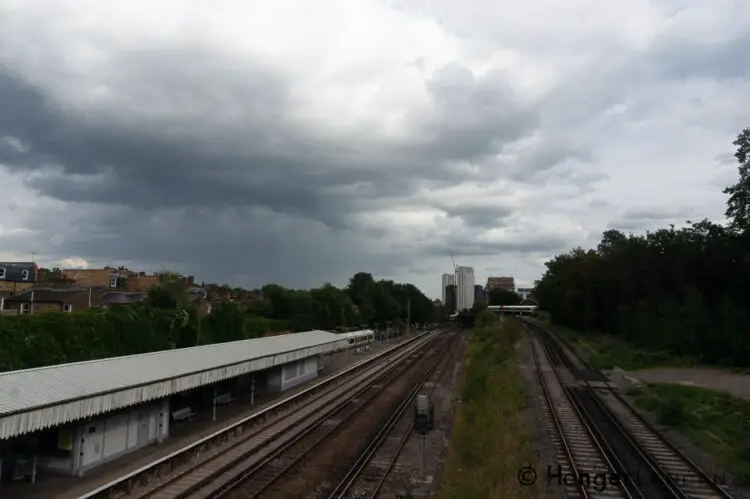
{"x": 71, "y": 418}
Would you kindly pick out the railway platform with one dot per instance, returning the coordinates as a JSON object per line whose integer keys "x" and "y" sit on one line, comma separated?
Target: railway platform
{"x": 69, "y": 487}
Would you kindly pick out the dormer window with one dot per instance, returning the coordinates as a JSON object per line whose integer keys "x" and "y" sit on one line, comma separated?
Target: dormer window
{"x": 2, "y": 273}
{"x": 113, "y": 281}
{"x": 25, "y": 275}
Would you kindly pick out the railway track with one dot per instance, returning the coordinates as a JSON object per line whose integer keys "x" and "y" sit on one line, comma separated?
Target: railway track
{"x": 297, "y": 468}
{"x": 222, "y": 465}
{"x": 371, "y": 470}
{"x": 646, "y": 463}
{"x": 584, "y": 468}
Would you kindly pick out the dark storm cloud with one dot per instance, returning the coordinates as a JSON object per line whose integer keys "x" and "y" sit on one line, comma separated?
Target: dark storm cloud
{"x": 242, "y": 246}
{"x": 188, "y": 152}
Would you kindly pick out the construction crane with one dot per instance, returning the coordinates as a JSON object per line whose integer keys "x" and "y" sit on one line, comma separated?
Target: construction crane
{"x": 454, "y": 263}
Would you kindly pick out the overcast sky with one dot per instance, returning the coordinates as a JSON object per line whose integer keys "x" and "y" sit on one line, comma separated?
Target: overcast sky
{"x": 248, "y": 142}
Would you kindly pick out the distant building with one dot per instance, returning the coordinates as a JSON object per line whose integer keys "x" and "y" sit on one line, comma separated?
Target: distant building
{"x": 448, "y": 279}
{"x": 525, "y": 292}
{"x": 451, "y": 298}
{"x": 117, "y": 278}
{"x": 52, "y": 299}
{"x": 504, "y": 283}
{"x": 465, "y": 284}
{"x": 18, "y": 276}
{"x": 479, "y": 294}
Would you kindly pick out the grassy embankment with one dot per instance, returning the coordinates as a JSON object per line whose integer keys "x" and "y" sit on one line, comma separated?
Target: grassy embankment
{"x": 715, "y": 422}
{"x": 490, "y": 442}
{"x": 607, "y": 352}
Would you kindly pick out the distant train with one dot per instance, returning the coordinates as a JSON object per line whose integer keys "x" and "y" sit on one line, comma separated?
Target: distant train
{"x": 360, "y": 337}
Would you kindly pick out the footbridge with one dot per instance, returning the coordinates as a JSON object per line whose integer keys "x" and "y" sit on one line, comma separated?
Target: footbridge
{"x": 513, "y": 309}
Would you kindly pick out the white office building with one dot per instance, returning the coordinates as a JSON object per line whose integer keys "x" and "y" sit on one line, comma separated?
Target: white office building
{"x": 465, "y": 287}
{"x": 448, "y": 279}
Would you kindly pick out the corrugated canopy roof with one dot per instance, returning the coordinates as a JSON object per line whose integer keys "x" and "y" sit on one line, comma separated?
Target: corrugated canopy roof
{"x": 31, "y": 389}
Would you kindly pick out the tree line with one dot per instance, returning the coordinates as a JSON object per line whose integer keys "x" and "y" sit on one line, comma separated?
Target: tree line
{"x": 169, "y": 318}
{"x": 680, "y": 290}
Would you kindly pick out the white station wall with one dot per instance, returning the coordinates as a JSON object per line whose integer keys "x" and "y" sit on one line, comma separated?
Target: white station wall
{"x": 104, "y": 439}
{"x": 292, "y": 374}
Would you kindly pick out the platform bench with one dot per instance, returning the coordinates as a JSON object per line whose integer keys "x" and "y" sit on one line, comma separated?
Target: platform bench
{"x": 224, "y": 398}
{"x": 186, "y": 413}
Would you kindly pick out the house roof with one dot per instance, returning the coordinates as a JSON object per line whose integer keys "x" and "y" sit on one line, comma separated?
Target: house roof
{"x": 45, "y": 295}
{"x": 14, "y": 271}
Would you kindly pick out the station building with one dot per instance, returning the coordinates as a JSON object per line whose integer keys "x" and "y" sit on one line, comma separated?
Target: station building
{"x": 71, "y": 418}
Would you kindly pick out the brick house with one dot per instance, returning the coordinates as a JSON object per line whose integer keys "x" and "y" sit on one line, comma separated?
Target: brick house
{"x": 52, "y": 299}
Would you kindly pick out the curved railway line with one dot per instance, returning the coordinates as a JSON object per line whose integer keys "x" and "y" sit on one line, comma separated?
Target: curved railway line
{"x": 224, "y": 469}
{"x": 606, "y": 449}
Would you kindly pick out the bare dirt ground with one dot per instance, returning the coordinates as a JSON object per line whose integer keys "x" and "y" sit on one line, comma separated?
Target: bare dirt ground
{"x": 736, "y": 384}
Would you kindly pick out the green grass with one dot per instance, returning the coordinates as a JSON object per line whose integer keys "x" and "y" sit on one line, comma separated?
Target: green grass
{"x": 490, "y": 442}
{"x": 606, "y": 352}
{"x": 716, "y": 422}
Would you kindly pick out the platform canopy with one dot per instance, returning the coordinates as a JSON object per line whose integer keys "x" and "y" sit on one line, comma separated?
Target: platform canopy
{"x": 33, "y": 399}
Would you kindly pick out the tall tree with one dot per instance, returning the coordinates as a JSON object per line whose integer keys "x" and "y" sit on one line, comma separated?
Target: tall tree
{"x": 738, "y": 205}
{"x": 678, "y": 289}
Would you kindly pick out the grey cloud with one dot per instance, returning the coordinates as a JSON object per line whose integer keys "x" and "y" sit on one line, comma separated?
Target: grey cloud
{"x": 726, "y": 159}
{"x": 474, "y": 247}
{"x": 544, "y": 158}
{"x": 472, "y": 117}
{"x": 266, "y": 160}
{"x": 598, "y": 204}
{"x": 646, "y": 217}
{"x": 679, "y": 56}
{"x": 196, "y": 159}
{"x": 247, "y": 247}
{"x": 487, "y": 216}
{"x": 658, "y": 213}
{"x": 632, "y": 225}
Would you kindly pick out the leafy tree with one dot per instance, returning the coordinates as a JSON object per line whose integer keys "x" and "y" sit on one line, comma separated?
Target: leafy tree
{"x": 168, "y": 319}
{"x": 497, "y": 297}
{"x": 738, "y": 204}
{"x": 677, "y": 289}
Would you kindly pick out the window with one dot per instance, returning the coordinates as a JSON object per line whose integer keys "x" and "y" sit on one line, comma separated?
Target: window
{"x": 2, "y": 272}
{"x": 67, "y": 307}
{"x": 25, "y": 274}
{"x": 113, "y": 281}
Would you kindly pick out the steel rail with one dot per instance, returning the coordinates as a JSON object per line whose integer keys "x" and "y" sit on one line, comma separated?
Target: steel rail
{"x": 236, "y": 483}
{"x": 594, "y": 436}
{"x": 376, "y": 442}
{"x": 201, "y": 473}
{"x": 667, "y": 478}
{"x": 128, "y": 481}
